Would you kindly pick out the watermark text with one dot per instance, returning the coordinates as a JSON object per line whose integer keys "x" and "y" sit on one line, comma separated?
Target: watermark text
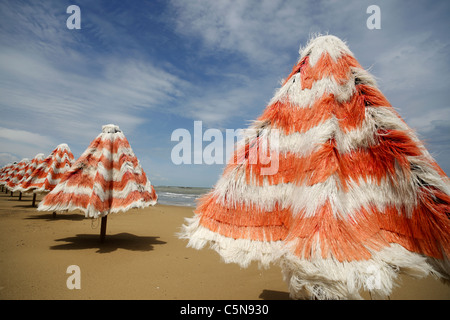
{"x": 212, "y": 146}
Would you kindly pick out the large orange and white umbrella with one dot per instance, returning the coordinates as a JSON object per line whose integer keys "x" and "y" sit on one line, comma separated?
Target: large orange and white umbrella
{"x": 107, "y": 178}
{"x": 355, "y": 198}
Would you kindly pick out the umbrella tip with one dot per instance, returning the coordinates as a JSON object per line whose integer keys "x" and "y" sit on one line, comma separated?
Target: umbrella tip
{"x": 110, "y": 128}
{"x": 319, "y": 44}
{"x": 62, "y": 146}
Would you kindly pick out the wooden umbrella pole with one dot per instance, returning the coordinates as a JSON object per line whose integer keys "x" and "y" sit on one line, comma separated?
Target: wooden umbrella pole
{"x": 34, "y": 200}
{"x": 103, "y": 229}
{"x": 20, "y": 195}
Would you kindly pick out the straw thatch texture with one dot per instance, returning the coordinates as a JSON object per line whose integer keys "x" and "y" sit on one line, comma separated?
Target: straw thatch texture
{"x": 49, "y": 171}
{"x": 107, "y": 178}
{"x": 355, "y": 198}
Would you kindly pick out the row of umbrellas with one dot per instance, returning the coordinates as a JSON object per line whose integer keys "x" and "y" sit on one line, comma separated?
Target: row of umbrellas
{"x": 39, "y": 175}
{"x": 107, "y": 178}
{"x": 356, "y": 198}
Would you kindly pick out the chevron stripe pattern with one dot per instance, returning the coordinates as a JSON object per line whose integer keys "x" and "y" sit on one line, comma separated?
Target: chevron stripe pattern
{"x": 48, "y": 172}
{"x": 29, "y": 169}
{"x": 107, "y": 178}
{"x": 17, "y": 173}
{"x": 5, "y": 173}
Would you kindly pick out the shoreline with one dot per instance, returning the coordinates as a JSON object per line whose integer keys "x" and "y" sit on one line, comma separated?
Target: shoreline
{"x": 141, "y": 259}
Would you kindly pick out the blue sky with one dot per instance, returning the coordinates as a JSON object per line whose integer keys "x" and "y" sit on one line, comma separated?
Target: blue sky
{"x": 152, "y": 67}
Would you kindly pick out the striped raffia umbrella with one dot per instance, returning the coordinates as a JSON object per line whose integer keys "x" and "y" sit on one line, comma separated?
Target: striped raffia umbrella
{"x": 49, "y": 171}
{"x": 107, "y": 178}
{"x": 28, "y": 171}
{"x": 353, "y": 198}
{"x": 17, "y": 174}
{"x": 6, "y": 172}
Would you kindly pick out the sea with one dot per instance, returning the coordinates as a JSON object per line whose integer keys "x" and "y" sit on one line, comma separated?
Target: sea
{"x": 179, "y": 196}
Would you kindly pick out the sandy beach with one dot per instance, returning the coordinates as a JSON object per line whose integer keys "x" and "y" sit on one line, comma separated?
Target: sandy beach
{"x": 141, "y": 258}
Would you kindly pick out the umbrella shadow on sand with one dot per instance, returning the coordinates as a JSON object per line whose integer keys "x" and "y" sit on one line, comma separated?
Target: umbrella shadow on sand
{"x": 24, "y": 206}
{"x": 274, "y": 295}
{"x": 51, "y": 217}
{"x": 113, "y": 242}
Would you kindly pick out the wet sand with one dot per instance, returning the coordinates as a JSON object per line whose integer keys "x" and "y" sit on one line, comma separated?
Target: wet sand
{"x": 141, "y": 258}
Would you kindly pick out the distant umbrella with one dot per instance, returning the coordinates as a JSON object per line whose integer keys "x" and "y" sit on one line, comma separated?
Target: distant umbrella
{"x": 49, "y": 171}
{"x": 107, "y": 178}
{"x": 356, "y": 198}
{"x": 5, "y": 173}
{"x": 17, "y": 174}
{"x": 29, "y": 169}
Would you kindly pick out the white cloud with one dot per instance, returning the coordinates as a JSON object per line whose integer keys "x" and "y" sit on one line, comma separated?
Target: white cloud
{"x": 415, "y": 62}
{"x": 21, "y": 136}
{"x": 218, "y": 107}
{"x": 7, "y": 158}
{"x": 57, "y": 87}
{"x": 24, "y": 144}
{"x": 40, "y": 97}
{"x": 260, "y": 30}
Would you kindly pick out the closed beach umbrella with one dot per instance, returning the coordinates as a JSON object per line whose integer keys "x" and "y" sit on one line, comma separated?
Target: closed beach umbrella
{"x": 49, "y": 171}
{"x": 355, "y": 199}
{"x": 6, "y": 172}
{"x": 22, "y": 186}
{"x": 107, "y": 178}
{"x": 28, "y": 170}
{"x": 17, "y": 174}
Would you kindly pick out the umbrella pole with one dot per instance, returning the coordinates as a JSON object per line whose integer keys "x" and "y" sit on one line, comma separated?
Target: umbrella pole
{"x": 34, "y": 200}
{"x": 103, "y": 229}
{"x": 20, "y": 195}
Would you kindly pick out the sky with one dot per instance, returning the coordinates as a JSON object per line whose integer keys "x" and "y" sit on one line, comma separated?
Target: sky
{"x": 155, "y": 67}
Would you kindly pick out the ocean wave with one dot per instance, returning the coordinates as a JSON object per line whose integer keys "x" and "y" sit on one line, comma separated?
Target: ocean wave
{"x": 179, "y": 196}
